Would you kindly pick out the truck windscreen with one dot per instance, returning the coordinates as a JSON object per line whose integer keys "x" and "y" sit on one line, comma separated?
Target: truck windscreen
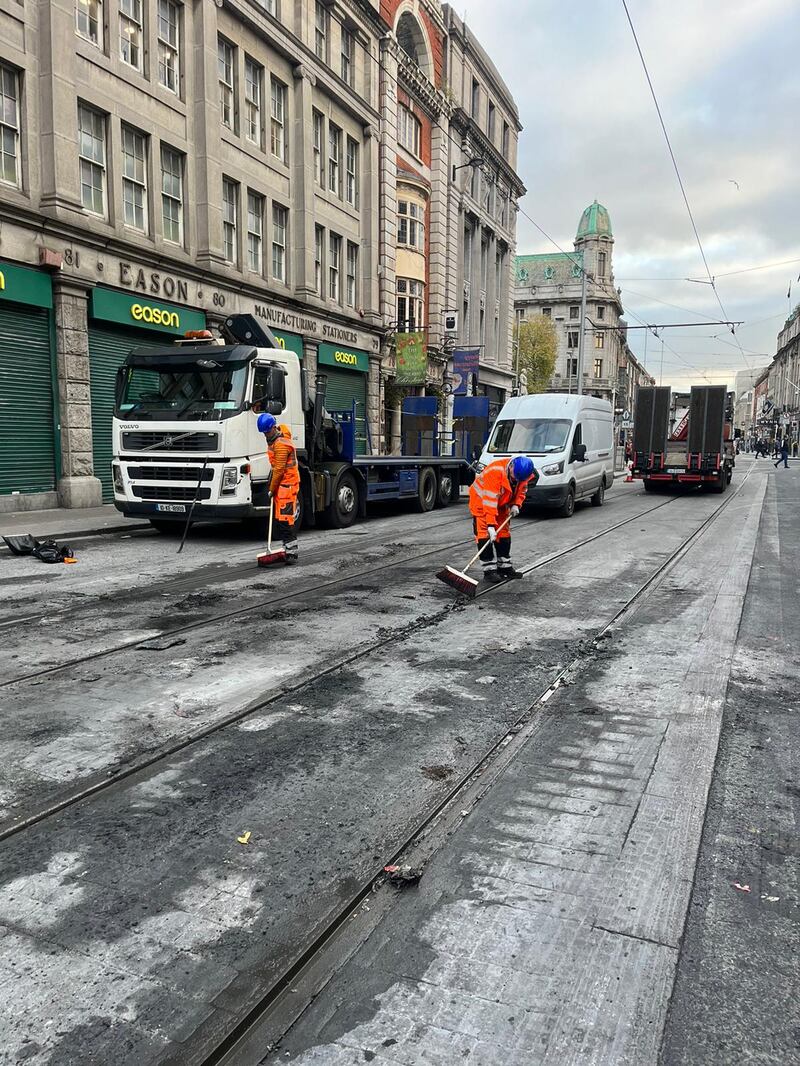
{"x": 181, "y": 392}
{"x": 537, "y": 436}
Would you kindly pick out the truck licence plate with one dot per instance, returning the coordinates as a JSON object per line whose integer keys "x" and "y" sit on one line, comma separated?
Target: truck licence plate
{"x": 676, "y": 470}
{"x": 179, "y": 507}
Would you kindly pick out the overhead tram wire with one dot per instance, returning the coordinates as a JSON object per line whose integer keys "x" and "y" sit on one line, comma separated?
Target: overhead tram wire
{"x": 725, "y": 274}
{"x": 711, "y": 281}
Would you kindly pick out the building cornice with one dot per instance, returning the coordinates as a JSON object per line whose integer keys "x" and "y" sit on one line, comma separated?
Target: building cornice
{"x": 420, "y": 88}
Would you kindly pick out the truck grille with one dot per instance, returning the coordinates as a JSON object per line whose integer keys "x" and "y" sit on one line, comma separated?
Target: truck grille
{"x": 171, "y": 493}
{"x": 170, "y": 473}
{"x": 192, "y": 442}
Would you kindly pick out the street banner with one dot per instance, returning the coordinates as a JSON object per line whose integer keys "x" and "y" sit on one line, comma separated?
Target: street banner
{"x": 412, "y": 359}
{"x": 465, "y": 362}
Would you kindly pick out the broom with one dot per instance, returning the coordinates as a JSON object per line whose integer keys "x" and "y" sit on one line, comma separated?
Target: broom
{"x": 459, "y": 579}
{"x": 270, "y": 557}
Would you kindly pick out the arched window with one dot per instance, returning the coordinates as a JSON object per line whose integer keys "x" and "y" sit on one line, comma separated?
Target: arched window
{"x": 412, "y": 40}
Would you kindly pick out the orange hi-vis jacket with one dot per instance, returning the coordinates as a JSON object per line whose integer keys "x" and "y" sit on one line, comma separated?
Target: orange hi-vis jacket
{"x": 491, "y": 497}
{"x": 284, "y": 484}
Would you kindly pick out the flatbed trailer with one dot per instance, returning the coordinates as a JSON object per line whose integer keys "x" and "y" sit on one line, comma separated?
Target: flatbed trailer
{"x": 699, "y": 450}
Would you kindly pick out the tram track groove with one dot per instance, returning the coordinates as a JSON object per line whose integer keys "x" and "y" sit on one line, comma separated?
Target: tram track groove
{"x": 282, "y": 599}
{"x": 109, "y": 781}
{"x": 283, "y": 993}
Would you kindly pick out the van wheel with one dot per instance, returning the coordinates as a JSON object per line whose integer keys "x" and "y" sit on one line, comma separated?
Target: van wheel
{"x": 567, "y": 508}
{"x": 600, "y": 495}
{"x": 426, "y": 494}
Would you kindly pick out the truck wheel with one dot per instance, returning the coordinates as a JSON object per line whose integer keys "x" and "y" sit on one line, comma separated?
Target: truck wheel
{"x": 343, "y": 508}
{"x": 600, "y": 495}
{"x": 445, "y": 488}
{"x": 720, "y": 484}
{"x": 567, "y": 508}
{"x": 649, "y": 486}
{"x": 426, "y": 492}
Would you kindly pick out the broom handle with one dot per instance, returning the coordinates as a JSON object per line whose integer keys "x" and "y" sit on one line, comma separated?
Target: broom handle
{"x": 269, "y": 535}
{"x": 478, "y": 552}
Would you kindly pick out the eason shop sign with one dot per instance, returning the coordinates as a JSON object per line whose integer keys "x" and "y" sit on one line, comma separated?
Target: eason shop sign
{"x": 24, "y": 286}
{"x": 346, "y": 358}
{"x": 135, "y": 311}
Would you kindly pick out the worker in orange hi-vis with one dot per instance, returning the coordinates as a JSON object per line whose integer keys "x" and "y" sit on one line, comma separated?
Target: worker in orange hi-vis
{"x": 495, "y": 497}
{"x": 284, "y": 485}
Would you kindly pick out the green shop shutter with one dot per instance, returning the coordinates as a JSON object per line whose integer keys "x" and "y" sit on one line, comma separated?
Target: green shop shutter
{"x": 27, "y": 432}
{"x": 343, "y": 388}
{"x": 108, "y": 349}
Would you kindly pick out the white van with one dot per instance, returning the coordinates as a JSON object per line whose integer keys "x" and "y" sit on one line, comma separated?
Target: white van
{"x": 570, "y": 439}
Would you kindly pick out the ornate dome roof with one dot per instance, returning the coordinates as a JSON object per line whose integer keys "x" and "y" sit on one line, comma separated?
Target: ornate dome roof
{"x": 595, "y": 222}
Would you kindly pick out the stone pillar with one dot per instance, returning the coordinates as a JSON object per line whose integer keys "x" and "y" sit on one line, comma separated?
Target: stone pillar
{"x": 77, "y": 486}
{"x": 303, "y": 181}
{"x": 374, "y": 405}
{"x": 368, "y": 285}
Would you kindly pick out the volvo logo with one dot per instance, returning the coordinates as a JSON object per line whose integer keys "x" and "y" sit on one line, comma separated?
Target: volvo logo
{"x": 167, "y": 442}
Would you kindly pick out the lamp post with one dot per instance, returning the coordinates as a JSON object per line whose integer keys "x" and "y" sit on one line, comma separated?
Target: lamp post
{"x": 582, "y": 338}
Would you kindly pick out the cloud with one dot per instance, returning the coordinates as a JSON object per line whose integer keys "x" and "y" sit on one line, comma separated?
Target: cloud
{"x": 727, "y": 82}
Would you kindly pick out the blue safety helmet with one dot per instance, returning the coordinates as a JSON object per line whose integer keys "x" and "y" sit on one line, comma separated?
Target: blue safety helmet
{"x": 266, "y": 422}
{"x": 521, "y": 468}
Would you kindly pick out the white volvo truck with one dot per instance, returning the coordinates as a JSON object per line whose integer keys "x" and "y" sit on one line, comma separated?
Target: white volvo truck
{"x": 185, "y": 435}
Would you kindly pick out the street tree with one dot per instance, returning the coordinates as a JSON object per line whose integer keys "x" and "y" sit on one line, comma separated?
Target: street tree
{"x": 537, "y": 344}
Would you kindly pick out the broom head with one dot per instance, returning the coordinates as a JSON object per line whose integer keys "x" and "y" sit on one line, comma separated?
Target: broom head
{"x": 271, "y": 558}
{"x": 468, "y": 586}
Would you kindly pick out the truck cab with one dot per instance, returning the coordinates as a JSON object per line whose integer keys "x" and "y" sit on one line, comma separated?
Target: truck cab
{"x": 185, "y": 427}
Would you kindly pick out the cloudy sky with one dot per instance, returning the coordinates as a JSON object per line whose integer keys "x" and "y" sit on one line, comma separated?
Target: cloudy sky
{"x": 727, "y": 76}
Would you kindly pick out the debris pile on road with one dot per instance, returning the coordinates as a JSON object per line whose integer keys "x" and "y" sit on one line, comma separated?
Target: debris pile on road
{"x": 400, "y": 876}
{"x": 47, "y": 551}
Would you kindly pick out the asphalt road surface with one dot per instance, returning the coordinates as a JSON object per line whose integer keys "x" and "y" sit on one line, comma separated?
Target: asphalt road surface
{"x": 204, "y": 768}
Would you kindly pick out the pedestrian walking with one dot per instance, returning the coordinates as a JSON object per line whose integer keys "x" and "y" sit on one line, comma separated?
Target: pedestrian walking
{"x": 284, "y": 485}
{"x": 784, "y": 454}
{"x": 495, "y": 497}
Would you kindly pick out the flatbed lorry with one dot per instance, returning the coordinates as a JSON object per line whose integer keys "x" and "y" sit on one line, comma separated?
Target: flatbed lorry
{"x": 697, "y": 450}
{"x": 185, "y": 434}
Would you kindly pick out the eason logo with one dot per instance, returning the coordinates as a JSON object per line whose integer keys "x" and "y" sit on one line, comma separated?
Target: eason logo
{"x": 2, "y": 281}
{"x": 347, "y": 358}
{"x": 155, "y": 316}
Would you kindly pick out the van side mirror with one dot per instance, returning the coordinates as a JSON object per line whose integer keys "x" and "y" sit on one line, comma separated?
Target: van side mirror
{"x": 579, "y": 453}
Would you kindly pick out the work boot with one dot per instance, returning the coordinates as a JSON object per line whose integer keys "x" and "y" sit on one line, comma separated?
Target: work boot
{"x": 291, "y": 560}
{"x": 510, "y": 573}
{"x": 492, "y": 577}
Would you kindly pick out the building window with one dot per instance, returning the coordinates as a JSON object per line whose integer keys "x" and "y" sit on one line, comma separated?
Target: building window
{"x": 319, "y": 251}
{"x": 89, "y": 21}
{"x": 130, "y": 33}
{"x": 490, "y": 122}
{"x": 253, "y": 98}
{"x": 334, "y": 265}
{"x": 269, "y": 6}
{"x": 574, "y": 313}
{"x": 572, "y": 367}
{"x": 230, "y": 216}
{"x": 321, "y": 31}
{"x": 168, "y": 45}
{"x": 92, "y": 151}
{"x": 598, "y": 368}
{"x": 468, "y": 232}
{"x": 506, "y": 139}
{"x": 255, "y": 229}
{"x": 352, "y": 273}
{"x": 599, "y": 340}
{"x": 347, "y": 55}
{"x": 226, "y": 57}
{"x": 476, "y": 98}
{"x": 410, "y": 225}
{"x": 601, "y": 264}
{"x": 408, "y": 130}
{"x": 319, "y": 140}
{"x": 410, "y": 305}
{"x": 172, "y": 195}
{"x": 334, "y": 159}
{"x": 572, "y": 338}
{"x": 547, "y": 312}
{"x": 351, "y": 177}
{"x": 601, "y": 311}
{"x": 9, "y": 126}
{"x": 278, "y": 119}
{"x": 280, "y": 217}
{"x": 134, "y": 179}
{"x": 484, "y": 264}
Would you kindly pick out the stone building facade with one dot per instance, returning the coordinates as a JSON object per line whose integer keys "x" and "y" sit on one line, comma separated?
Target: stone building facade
{"x": 784, "y": 379}
{"x": 165, "y": 164}
{"x": 551, "y": 285}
